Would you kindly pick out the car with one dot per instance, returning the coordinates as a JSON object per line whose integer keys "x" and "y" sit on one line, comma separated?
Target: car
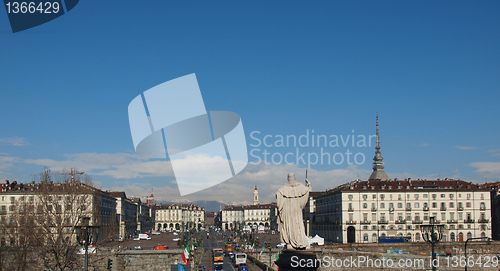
{"x": 176, "y": 239}
{"x": 281, "y": 245}
{"x": 162, "y": 247}
{"x": 138, "y": 248}
{"x": 218, "y": 267}
{"x": 230, "y": 254}
{"x": 243, "y": 267}
{"x": 137, "y": 239}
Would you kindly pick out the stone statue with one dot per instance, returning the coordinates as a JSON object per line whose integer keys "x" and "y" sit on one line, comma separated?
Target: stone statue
{"x": 292, "y": 198}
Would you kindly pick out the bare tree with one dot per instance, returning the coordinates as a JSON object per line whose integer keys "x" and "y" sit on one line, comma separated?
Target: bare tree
{"x": 42, "y": 221}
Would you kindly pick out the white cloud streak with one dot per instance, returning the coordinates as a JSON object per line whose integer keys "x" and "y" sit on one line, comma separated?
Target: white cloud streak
{"x": 6, "y": 163}
{"x": 14, "y": 141}
{"x": 487, "y": 169}
{"x": 239, "y": 189}
{"x": 118, "y": 165}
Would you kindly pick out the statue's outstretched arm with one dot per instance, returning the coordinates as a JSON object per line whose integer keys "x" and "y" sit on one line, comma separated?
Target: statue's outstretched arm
{"x": 308, "y": 184}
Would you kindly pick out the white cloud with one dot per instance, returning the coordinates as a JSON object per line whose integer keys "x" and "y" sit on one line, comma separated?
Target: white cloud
{"x": 15, "y": 141}
{"x": 239, "y": 189}
{"x": 268, "y": 178}
{"x": 6, "y": 164}
{"x": 466, "y": 148}
{"x": 487, "y": 169}
{"x": 117, "y": 165}
{"x": 495, "y": 152}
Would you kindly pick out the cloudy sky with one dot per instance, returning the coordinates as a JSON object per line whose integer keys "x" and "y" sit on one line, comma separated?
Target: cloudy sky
{"x": 318, "y": 72}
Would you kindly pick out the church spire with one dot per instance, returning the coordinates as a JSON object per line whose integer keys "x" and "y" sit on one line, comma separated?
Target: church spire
{"x": 378, "y": 162}
{"x": 255, "y": 196}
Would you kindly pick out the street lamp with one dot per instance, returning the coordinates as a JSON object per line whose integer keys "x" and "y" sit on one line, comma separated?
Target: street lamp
{"x": 430, "y": 235}
{"x": 469, "y": 239}
{"x": 84, "y": 234}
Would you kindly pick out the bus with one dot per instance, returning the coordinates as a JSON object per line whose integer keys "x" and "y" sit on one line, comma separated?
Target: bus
{"x": 229, "y": 247}
{"x": 240, "y": 258}
{"x": 218, "y": 255}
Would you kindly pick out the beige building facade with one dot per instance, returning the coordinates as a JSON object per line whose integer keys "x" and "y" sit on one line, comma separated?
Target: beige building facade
{"x": 363, "y": 211}
{"x": 179, "y": 217}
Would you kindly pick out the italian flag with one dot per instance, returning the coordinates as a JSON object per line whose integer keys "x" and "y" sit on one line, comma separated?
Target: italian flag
{"x": 185, "y": 255}
{"x": 277, "y": 257}
{"x": 260, "y": 254}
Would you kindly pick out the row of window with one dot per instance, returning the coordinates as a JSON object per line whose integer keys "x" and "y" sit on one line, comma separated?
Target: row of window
{"x": 416, "y": 196}
{"x": 400, "y": 217}
{"x": 453, "y": 237}
{"x": 12, "y": 199}
{"x": 40, "y": 208}
{"x": 417, "y": 227}
{"x": 468, "y": 204}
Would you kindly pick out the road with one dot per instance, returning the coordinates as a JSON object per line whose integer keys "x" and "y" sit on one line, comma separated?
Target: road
{"x": 218, "y": 240}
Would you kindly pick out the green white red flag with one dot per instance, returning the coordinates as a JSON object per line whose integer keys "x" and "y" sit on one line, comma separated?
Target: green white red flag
{"x": 185, "y": 255}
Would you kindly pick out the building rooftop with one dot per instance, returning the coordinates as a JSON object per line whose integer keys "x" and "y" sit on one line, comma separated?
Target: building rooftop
{"x": 407, "y": 185}
{"x": 491, "y": 186}
{"x": 67, "y": 187}
{"x": 315, "y": 193}
{"x": 118, "y": 194}
{"x": 178, "y": 206}
{"x": 249, "y": 207}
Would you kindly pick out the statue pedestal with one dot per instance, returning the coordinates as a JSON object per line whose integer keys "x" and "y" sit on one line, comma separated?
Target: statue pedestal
{"x": 291, "y": 259}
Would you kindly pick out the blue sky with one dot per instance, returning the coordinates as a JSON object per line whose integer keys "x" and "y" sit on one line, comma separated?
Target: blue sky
{"x": 429, "y": 69}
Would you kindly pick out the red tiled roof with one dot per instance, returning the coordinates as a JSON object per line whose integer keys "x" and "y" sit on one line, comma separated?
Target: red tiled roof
{"x": 495, "y": 185}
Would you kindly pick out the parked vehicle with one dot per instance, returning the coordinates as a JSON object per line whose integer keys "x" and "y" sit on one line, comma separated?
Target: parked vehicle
{"x": 138, "y": 248}
{"x": 281, "y": 245}
{"x": 162, "y": 247}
